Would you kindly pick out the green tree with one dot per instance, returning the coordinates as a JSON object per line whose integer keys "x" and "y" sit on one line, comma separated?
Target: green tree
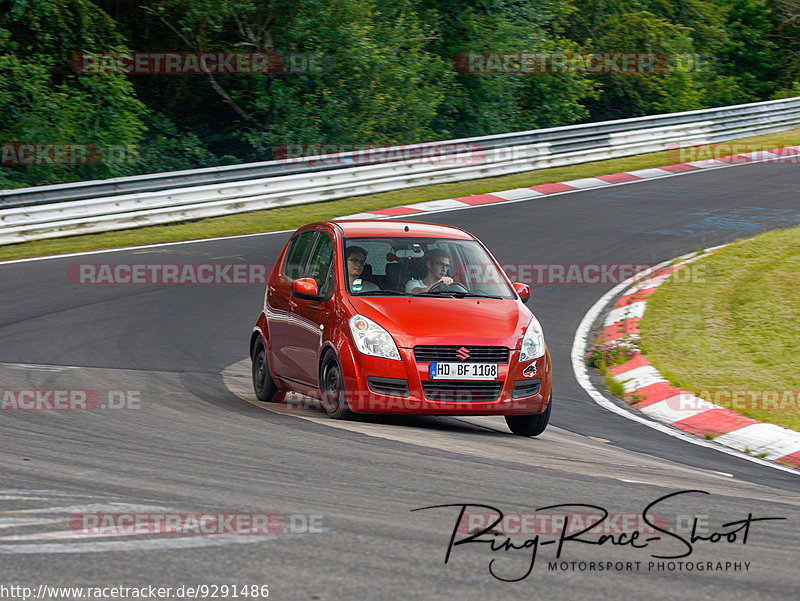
{"x": 487, "y": 103}
{"x": 717, "y": 53}
{"x": 377, "y": 85}
{"x": 43, "y": 102}
{"x": 785, "y": 18}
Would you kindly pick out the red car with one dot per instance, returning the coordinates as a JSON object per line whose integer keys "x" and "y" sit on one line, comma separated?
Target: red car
{"x": 400, "y": 317}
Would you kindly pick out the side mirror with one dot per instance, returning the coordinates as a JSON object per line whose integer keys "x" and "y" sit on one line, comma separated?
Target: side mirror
{"x": 306, "y": 288}
{"x": 523, "y": 290}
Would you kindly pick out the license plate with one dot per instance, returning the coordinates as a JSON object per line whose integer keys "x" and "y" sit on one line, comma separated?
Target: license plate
{"x": 440, "y": 370}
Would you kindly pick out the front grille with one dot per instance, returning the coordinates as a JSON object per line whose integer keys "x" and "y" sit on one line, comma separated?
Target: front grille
{"x": 390, "y": 386}
{"x": 462, "y": 391}
{"x": 477, "y": 354}
{"x": 523, "y": 388}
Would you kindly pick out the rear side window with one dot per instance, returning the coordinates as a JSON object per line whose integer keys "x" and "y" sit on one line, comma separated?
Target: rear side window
{"x": 297, "y": 254}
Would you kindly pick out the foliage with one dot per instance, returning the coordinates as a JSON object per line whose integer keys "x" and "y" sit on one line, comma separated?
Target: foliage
{"x": 614, "y": 352}
{"x": 43, "y": 103}
{"x": 390, "y": 73}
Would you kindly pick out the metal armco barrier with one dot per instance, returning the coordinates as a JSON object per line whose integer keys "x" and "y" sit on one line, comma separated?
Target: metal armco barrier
{"x": 90, "y": 207}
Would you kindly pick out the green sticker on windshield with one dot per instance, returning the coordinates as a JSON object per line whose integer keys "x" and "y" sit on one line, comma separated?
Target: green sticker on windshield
{"x": 357, "y": 285}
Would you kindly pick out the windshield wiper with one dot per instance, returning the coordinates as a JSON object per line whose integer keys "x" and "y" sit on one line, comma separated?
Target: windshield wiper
{"x": 380, "y": 292}
{"x": 456, "y": 294}
{"x": 474, "y": 295}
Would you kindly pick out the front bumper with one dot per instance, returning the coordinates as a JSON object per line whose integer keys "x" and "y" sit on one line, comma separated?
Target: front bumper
{"x": 375, "y": 385}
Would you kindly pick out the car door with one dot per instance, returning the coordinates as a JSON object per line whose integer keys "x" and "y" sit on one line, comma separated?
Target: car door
{"x": 306, "y": 317}
{"x": 280, "y": 302}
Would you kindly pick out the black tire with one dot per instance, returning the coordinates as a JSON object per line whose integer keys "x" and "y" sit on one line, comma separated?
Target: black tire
{"x": 530, "y": 425}
{"x": 331, "y": 385}
{"x": 263, "y": 385}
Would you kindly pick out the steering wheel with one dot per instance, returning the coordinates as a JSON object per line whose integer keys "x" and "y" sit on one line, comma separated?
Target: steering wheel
{"x": 442, "y": 287}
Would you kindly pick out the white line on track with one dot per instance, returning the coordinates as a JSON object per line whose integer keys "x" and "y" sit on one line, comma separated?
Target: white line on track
{"x": 147, "y": 544}
{"x": 581, "y": 371}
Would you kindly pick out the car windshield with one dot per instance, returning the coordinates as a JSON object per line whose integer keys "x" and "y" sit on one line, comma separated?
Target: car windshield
{"x": 385, "y": 266}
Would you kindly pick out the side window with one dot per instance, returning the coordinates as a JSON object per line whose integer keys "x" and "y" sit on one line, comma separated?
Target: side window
{"x": 320, "y": 266}
{"x": 296, "y": 255}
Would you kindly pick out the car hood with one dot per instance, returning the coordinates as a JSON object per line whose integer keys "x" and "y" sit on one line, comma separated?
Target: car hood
{"x": 463, "y": 321}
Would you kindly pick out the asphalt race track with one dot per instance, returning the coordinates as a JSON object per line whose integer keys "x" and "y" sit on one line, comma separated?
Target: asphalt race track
{"x": 190, "y": 438}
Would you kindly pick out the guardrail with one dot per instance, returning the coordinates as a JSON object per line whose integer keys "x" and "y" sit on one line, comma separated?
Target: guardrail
{"x": 90, "y": 207}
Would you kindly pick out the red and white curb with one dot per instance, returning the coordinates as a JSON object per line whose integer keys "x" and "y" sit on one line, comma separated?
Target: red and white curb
{"x": 518, "y": 194}
{"x": 647, "y": 391}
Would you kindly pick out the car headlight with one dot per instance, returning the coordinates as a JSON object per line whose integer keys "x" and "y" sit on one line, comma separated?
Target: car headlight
{"x": 532, "y": 342}
{"x": 372, "y": 339}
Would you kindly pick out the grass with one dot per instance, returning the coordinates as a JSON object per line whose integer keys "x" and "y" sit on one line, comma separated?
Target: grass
{"x": 731, "y": 334}
{"x": 293, "y": 217}
{"x": 615, "y": 387}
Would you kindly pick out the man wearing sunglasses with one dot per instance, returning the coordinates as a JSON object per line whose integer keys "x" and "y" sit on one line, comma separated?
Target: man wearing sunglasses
{"x": 438, "y": 264}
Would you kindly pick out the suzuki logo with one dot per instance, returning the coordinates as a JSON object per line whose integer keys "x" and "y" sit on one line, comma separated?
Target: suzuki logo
{"x": 462, "y": 353}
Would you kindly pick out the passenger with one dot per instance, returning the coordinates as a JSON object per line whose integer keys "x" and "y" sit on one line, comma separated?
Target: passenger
{"x": 437, "y": 263}
{"x": 356, "y": 259}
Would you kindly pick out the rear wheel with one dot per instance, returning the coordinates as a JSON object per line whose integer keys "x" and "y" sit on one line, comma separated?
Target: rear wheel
{"x": 262, "y": 378}
{"x": 334, "y": 399}
{"x": 530, "y": 425}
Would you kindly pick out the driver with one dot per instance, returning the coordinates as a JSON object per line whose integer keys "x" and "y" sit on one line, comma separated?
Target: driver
{"x": 438, "y": 263}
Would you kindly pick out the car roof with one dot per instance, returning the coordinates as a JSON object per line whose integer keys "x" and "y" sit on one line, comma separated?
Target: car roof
{"x": 366, "y": 228}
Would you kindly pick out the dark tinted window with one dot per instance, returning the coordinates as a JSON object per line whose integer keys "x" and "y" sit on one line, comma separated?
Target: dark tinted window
{"x": 319, "y": 267}
{"x": 296, "y": 255}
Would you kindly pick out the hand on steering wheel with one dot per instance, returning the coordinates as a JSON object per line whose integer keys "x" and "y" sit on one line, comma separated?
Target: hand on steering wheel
{"x": 443, "y": 286}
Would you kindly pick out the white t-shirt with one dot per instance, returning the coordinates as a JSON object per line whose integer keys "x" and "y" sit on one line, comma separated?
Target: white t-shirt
{"x": 366, "y": 286}
{"x": 414, "y": 284}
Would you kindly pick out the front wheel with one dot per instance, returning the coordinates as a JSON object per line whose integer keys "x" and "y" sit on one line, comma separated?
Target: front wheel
{"x": 262, "y": 378}
{"x": 334, "y": 399}
{"x": 530, "y": 425}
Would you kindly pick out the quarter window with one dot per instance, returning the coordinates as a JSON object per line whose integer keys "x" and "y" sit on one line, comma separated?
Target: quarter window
{"x": 319, "y": 267}
{"x": 297, "y": 254}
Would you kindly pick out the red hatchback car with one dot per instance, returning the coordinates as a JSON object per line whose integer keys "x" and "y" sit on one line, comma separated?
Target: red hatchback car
{"x": 400, "y": 317}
